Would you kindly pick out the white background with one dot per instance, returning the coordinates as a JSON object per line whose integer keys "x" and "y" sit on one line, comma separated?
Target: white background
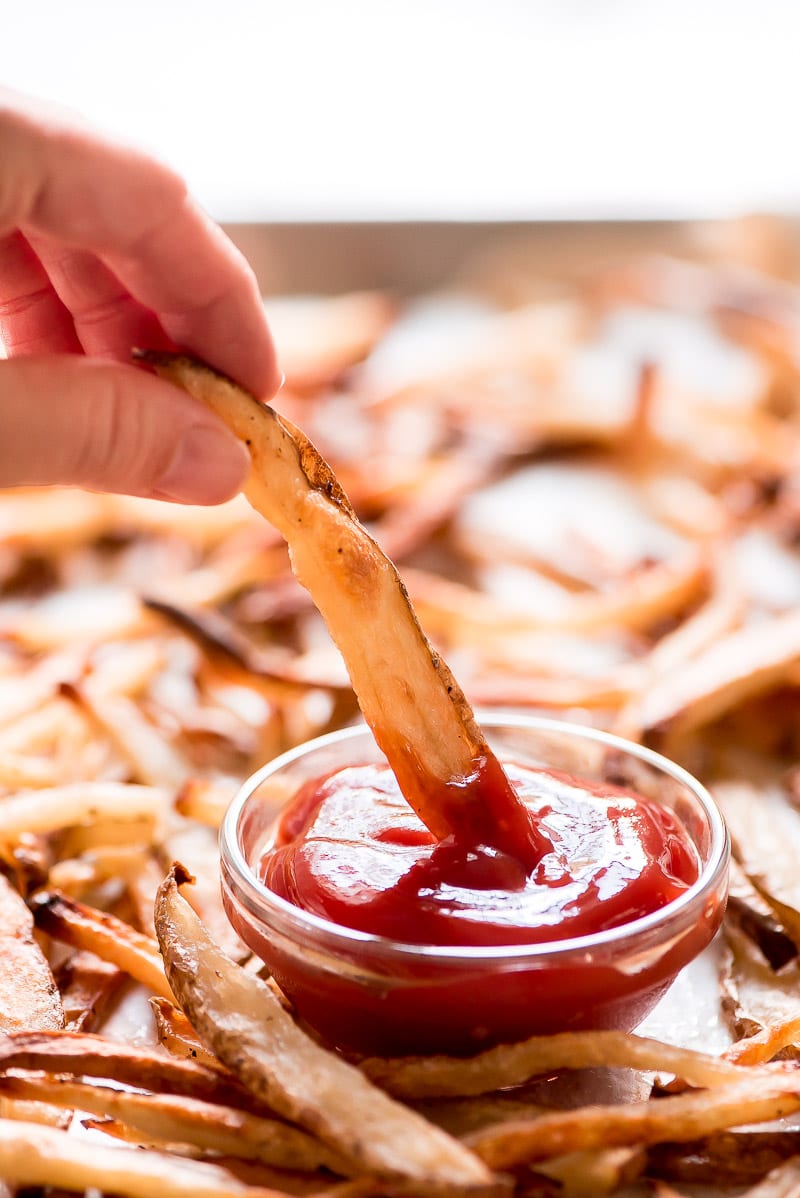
{"x": 436, "y": 108}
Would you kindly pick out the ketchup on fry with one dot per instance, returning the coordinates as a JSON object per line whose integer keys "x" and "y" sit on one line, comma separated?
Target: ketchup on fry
{"x": 349, "y": 850}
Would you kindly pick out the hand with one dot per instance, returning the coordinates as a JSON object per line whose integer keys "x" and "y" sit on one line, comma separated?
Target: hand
{"x": 102, "y": 250}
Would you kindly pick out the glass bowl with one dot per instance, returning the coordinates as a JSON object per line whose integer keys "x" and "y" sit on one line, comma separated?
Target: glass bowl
{"x": 372, "y": 994}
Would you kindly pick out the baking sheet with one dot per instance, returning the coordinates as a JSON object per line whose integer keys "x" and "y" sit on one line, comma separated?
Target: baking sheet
{"x": 411, "y": 259}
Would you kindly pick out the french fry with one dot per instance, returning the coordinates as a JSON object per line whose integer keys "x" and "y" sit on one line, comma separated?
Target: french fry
{"x": 746, "y": 662}
{"x": 75, "y": 875}
{"x": 154, "y": 761}
{"x": 21, "y": 694}
{"x": 762, "y": 1001}
{"x": 196, "y": 847}
{"x": 319, "y": 338}
{"x": 109, "y": 938}
{"x": 240, "y": 1018}
{"x": 404, "y": 688}
{"x": 87, "y": 986}
{"x": 223, "y": 642}
{"x": 29, "y": 996}
{"x": 89, "y": 1055}
{"x": 763, "y": 826}
{"x": 759, "y": 1098}
{"x": 182, "y": 1120}
{"x": 593, "y": 1174}
{"x": 176, "y": 1034}
{"x": 56, "y": 807}
{"x": 750, "y": 911}
{"x": 27, "y": 772}
{"x": 513, "y": 1064}
{"x": 38, "y": 730}
{"x": 637, "y": 604}
{"x": 34, "y": 1155}
{"x": 204, "y": 801}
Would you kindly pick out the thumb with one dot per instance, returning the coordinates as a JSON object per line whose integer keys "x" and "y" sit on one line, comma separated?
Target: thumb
{"x": 69, "y": 420}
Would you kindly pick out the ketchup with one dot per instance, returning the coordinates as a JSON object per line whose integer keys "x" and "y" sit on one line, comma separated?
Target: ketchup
{"x": 349, "y": 849}
{"x": 489, "y": 968}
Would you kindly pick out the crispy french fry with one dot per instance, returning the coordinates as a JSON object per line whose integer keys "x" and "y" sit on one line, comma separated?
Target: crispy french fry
{"x": 758, "y": 1098}
{"x": 111, "y": 939}
{"x": 416, "y": 710}
{"x": 240, "y": 1018}
{"x": 182, "y": 1120}
{"x": 51, "y": 808}
{"x": 765, "y": 828}
{"x": 34, "y": 1155}
{"x": 154, "y": 761}
{"x": 87, "y": 1055}
{"x": 176, "y": 1034}
{"x": 29, "y": 996}
{"x": 513, "y": 1064}
{"x": 746, "y": 662}
{"x": 87, "y": 985}
{"x": 764, "y": 1000}
{"x": 196, "y": 847}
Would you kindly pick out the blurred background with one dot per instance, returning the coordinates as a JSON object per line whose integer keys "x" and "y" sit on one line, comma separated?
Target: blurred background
{"x": 436, "y": 109}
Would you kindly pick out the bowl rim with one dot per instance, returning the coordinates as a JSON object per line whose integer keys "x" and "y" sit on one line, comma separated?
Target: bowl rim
{"x": 247, "y": 889}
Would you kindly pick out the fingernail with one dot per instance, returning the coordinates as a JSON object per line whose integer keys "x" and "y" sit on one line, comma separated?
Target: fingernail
{"x": 207, "y": 467}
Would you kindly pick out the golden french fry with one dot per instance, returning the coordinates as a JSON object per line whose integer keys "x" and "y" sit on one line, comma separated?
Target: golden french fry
{"x": 182, "y": 1120}
{"x": 87, "y": 985}
{"x": 29, "y": 997}
{"x": 765, "y": 1002}
{"x": 512, "y": 1064}
{"x": 110, "y": 938}
{"x": 746, "y": 662}
{"x": 31, "y": 1154}
{"x": 154, "y": 761}
{"x": 87, "y": 1055}
{"x": 413, "y": 704}
{"x": 765, "y": 833}
{"x": 758, "y": 1098}
{"x": 240, "y": 1018}
{"x": 176, "y": 1034}
{"x": 56, "y": 807}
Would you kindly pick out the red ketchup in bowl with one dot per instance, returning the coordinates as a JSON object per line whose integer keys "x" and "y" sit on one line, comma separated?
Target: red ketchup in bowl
{"x": 460, "y": 945}
{"x": 349, "y": 849}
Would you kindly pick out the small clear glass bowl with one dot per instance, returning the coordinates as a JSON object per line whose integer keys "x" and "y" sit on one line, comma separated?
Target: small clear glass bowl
{"x": 372, "y": 994}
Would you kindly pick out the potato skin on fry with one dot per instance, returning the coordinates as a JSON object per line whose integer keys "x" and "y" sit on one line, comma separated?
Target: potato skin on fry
{"x": 29, "y": 997}
{"x": 240, "y": 1018}
{"x": 418, "y": 713}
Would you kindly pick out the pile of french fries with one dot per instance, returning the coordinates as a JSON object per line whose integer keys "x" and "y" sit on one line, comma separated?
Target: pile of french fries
{"x": 592, "y": 492}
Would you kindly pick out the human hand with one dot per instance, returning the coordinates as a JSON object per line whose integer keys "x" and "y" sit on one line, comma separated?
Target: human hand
{"x": 102, "y": 250}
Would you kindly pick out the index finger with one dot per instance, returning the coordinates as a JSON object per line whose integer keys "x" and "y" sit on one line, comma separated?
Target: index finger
{"x": 62, "y": 179}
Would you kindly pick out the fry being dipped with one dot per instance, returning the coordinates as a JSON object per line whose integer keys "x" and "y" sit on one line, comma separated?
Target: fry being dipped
{"x": 497, "y": 862}
{"x": 416, "y": 710}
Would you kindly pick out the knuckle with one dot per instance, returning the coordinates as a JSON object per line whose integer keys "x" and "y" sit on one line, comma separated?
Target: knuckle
{"x": 116, "y": 443}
